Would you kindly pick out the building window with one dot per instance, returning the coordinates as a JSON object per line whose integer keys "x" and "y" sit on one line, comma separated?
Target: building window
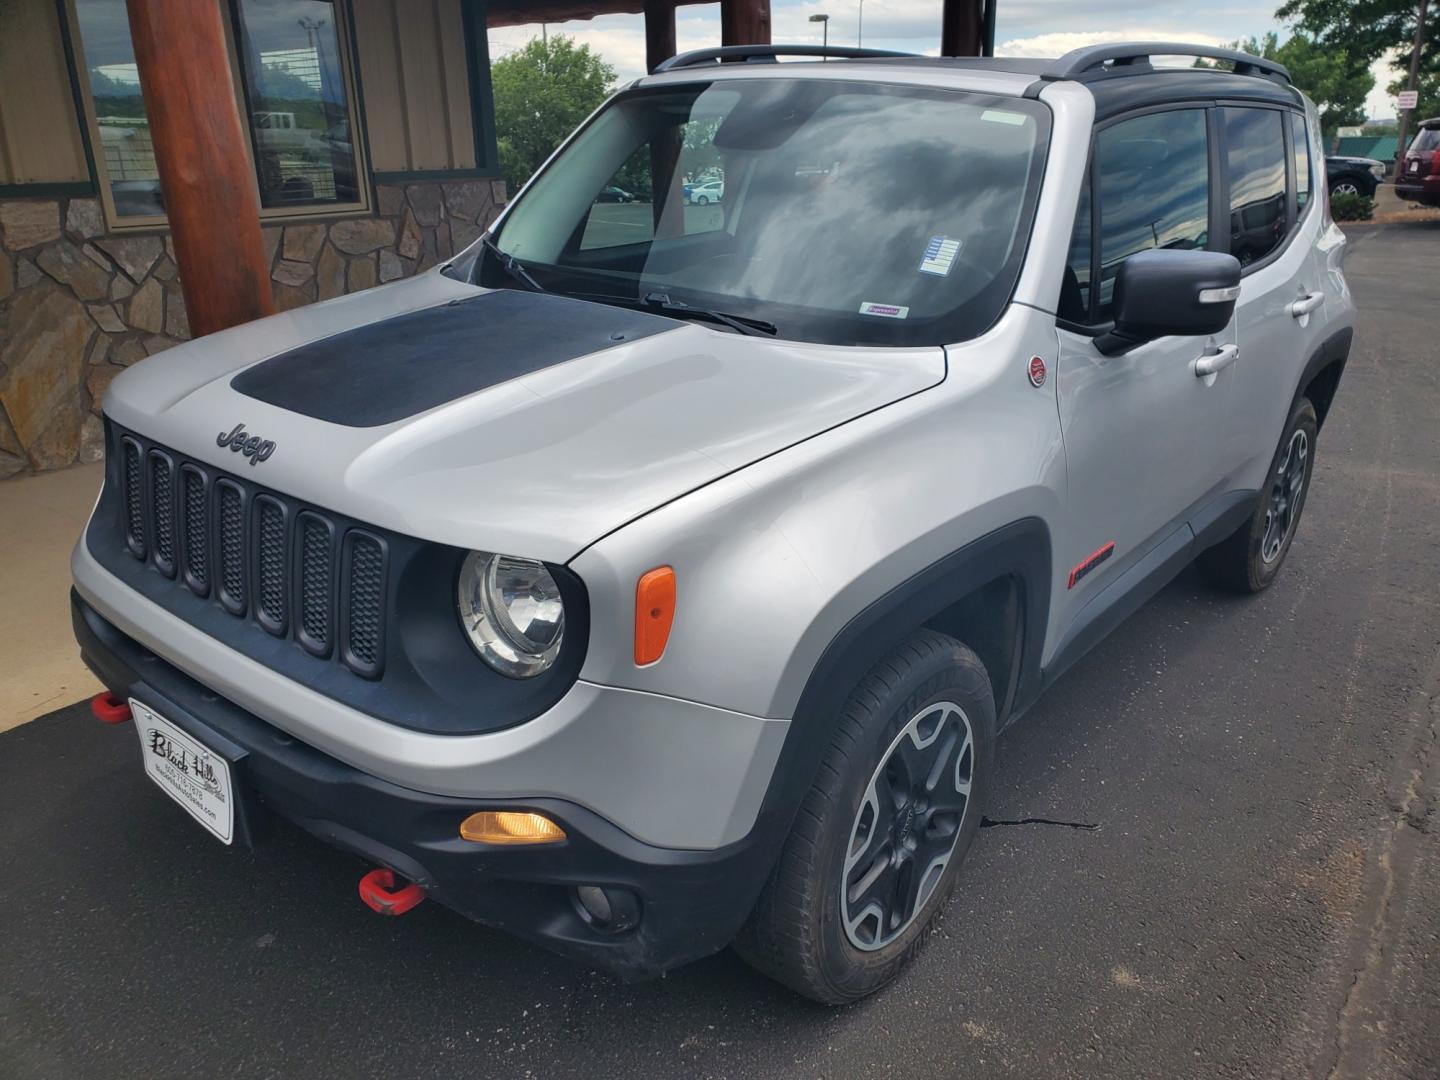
{"x": 299, "y": 108}
{"x": 294, "y": 92}
{"x": 121, "y": 133}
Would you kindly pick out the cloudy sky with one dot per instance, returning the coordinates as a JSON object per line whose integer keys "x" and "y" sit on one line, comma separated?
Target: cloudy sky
{"x": 1023, "y": 28}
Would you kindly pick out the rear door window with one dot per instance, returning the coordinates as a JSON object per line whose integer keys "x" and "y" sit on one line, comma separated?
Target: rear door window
{"x": 1255, "y": 152}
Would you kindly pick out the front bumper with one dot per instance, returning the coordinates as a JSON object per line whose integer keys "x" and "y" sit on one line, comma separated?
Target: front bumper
{"x": 691, "y": 903}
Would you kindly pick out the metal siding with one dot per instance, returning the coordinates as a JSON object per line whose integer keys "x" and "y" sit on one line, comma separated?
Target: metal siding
{"x": 39, "y": 130}
{"x": 416, "y": 85}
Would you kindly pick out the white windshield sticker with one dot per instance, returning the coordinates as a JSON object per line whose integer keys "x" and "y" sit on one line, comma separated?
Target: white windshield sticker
{"x": 885, "y": 311}
{"x": 995, "y": 116}
{"x": 940, "y": 255}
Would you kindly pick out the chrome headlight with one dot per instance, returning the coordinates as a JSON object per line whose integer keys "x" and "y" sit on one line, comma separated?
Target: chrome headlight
{"x": 1378, "y": 171}
{"x": 512, "y": 612}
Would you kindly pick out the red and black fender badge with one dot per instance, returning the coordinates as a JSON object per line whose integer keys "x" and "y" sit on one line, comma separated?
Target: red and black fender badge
{"x": 1090, "y": 562}
{"x": 1037, "y": 371}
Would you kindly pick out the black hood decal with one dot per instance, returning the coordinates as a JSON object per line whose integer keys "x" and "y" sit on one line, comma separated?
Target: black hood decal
{"x": 389, "y": 370}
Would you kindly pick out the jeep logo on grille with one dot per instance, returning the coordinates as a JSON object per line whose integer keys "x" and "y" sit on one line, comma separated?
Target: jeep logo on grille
{"x": 241, "y": 441}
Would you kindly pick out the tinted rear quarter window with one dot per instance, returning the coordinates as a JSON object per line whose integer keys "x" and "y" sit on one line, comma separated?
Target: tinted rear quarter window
{"x": 1301, "y": 133}
{"x": 1255, "y": 151}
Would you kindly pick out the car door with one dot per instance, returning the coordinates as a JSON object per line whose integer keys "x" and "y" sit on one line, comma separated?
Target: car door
{"x": 1140, "y": 428}
{"x": 1269, "y": 166}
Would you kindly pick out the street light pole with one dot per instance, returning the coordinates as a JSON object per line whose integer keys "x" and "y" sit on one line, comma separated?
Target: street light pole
{"x": 860, "y": 27}
{"x": 824, "y": 21}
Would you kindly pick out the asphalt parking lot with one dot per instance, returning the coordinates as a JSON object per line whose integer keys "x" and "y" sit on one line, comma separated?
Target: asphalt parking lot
{"x": 1259, "y": 897}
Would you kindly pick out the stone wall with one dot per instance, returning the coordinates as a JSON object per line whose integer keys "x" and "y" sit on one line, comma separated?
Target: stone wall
{"x": 79, "y": 304}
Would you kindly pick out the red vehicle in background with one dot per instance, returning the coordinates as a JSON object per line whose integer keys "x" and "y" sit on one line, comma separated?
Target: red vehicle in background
{"x": 1419, "y": 175}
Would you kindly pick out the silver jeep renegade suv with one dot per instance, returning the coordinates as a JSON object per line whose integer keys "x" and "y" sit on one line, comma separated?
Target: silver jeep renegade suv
{"x": 658, "y": 575}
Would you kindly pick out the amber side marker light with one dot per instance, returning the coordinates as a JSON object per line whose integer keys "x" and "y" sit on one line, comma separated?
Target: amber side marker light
{"x": 654, "y": 613}
{"x": 510, "y": 827}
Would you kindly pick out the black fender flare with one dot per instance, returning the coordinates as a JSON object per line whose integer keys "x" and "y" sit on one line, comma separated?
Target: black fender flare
{"x": 1333, "y": 350}
{"x": 1021, "y": 550}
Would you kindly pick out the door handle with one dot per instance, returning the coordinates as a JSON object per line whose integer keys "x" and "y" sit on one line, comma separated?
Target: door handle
{"x": 1216, "y": 361}
{"x": 1306, "y": 304}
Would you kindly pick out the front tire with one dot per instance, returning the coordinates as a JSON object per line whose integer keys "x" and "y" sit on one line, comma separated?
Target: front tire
{"x": 1249, "y": 559}
{"x": 879, "y": 838}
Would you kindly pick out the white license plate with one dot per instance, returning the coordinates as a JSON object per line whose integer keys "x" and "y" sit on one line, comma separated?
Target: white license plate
{"x": 194, "y": 776}
{"x": 1414, "y": 166}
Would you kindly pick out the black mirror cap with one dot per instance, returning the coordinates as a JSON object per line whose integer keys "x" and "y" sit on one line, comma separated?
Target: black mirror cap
{"x": 1165, "y": 293}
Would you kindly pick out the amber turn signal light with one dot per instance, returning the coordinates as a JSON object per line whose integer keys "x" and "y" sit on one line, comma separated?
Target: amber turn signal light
{"x": 510, "y": 827}
{"x": 654, "y": 613}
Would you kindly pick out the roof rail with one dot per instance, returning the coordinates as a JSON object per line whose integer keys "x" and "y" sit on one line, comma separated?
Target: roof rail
{"x": 767, "y": 54}
{"x": 1135, "y": 57}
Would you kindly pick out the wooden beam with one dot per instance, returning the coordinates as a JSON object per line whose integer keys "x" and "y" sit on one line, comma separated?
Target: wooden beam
{"x": 962, "y": 28}
{"x": 205, "y": 172}
{"x": 744, "y": 22}
{"x": 659, "y": 32}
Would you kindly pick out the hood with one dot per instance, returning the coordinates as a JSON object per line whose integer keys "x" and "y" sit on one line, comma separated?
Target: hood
{"x": 523, "y": 423}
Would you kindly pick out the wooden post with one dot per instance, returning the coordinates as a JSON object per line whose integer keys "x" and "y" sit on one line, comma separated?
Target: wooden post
{"x": 744, "y": 22}
{"x": 659, "y": 32}
{"x": 962, "y": 28}
{"x": 205, "y": 171}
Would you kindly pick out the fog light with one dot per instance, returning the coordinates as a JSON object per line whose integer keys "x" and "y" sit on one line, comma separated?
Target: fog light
{"x": 510, "y": 827}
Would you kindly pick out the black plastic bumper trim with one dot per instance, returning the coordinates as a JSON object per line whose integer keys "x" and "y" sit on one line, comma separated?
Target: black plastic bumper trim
{"x": 691, "y": 902}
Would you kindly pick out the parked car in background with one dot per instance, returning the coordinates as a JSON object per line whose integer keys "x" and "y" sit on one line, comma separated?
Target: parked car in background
{"x": 614, "y": 194}
{"x": 1353, "y": 175}
{"x": 711, "y": 191}
{"x": 1419, "y": 176}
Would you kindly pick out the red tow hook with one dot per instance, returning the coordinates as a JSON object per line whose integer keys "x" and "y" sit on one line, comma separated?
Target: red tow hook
{"x": 377, "y": 889}
{"x": 109, "y": 709}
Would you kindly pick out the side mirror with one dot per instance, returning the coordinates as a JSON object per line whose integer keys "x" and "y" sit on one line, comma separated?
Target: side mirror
{"x": 1166, "y": 293}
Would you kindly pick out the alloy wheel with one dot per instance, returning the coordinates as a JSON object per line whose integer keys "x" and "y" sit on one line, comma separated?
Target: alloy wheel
{"x": 1345, "y": 187}
{"x": 907, "y": 826}
{"x": 1285, "y": 491}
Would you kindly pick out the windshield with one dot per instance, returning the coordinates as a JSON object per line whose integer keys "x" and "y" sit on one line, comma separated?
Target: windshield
{"x": 840, "y": 212}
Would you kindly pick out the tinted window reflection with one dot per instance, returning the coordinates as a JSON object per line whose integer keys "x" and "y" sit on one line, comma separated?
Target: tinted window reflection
{"x": 1075, "y": 288}
{"x": 1255, "y": 140}
{"x": 299, "y": 112}
{"x": 1154, "y": 189}
{"x": 1302, "y": 159}
{"x": 125, "y": 144}
{"x": 840, "y": 212}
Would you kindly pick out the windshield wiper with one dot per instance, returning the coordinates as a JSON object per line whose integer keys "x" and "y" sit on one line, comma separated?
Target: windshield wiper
{"x": 658, "y": 301}
{"x": 511, "y": 265}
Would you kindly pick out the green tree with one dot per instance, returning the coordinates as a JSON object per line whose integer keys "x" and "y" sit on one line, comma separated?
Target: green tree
{"x": 1336, "y": 85}
{"x": 1362, "y": 30}
{"x": 542, "y": 93}
{"x": 1370, "y": 30}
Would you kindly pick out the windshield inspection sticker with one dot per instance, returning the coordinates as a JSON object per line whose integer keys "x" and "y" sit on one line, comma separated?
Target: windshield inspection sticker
{"x": 940, "y": 255}
{"x": 885, "y": 311}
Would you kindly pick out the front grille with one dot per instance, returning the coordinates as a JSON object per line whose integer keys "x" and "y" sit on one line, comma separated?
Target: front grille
{"x": 365, "y": 583}
{"x": 234, "y": 540}
{"x": 317, "y": 562}
{"x": 270, "y": 564}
